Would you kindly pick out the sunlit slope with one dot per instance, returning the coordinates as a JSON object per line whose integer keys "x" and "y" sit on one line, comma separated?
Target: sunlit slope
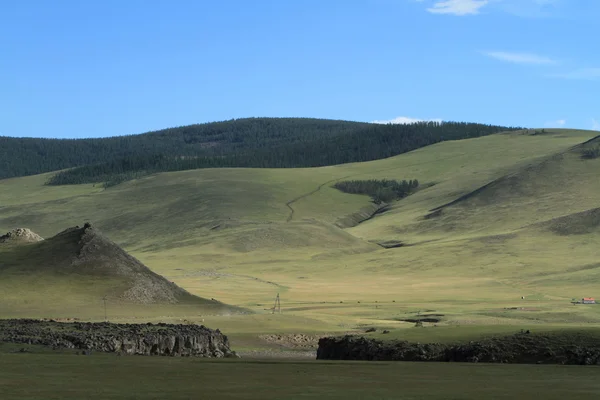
{"x": 456, "y": 168}
{"x": 172, "y": 206}
{"x": 231, "y": 211}
{"x": 243, "y": 235}
{"x": 470, "y": 264}
{"x": 530, "y": 192}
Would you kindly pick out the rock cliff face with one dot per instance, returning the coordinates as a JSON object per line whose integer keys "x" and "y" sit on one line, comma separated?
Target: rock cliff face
{"x": 575, "y": 349}
{"x": 140, "y": 339}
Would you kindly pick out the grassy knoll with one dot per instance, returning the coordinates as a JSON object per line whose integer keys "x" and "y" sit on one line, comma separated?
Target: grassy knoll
{"x": 53, "y": 376}
{"x": 230, "y": 234}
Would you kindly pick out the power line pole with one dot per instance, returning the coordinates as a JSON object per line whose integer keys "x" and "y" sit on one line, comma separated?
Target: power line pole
{"x": 105, "y": 315}
{"x": 277, "y": 305}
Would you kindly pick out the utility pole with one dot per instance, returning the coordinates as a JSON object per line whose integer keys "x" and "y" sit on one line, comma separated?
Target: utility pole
{"x": 105, "y": 315}
{"x": 277, "y": 305}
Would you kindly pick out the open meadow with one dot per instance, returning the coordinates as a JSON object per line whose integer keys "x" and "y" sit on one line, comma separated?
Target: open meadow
{"x": 227, "y": 234}
{"x": 501, "y": 236}
{"x": 294, "y": 200}
{"x": 51, "y": 376}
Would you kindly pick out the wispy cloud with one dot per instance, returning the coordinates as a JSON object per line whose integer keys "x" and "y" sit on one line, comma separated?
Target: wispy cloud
{"x": 520, "y": 58}
{"x": 595, "y": 125}
{"x": 458, "y": 7}
{"x": 521, "y": 8}
{"x": 556, "y": 123}
{"x": 405, "y": 120}
{"x": 589, "y": 74}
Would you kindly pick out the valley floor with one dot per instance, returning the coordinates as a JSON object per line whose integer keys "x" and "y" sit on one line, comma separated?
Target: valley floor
{"x": 50, "y": 376}
{"x": 503, "y": 236}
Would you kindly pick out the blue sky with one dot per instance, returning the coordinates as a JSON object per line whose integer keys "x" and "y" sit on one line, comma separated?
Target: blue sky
{"x": 102, "y": 68}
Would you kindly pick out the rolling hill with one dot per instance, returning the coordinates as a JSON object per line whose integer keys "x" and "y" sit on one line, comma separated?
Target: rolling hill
{"x": 81, "y": 263}
{"x": 250, "y": 142}
{"x": 497, "y": 218}
{"x": 27, "y": 156}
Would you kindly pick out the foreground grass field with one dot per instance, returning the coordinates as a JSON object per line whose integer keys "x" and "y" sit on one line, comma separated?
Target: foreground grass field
{"x": 52, "y": 376}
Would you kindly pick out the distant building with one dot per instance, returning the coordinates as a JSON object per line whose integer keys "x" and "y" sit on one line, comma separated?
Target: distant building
{"x": 588, "y": 300}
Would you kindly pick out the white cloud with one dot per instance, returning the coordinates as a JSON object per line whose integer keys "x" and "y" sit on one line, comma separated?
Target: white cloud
{"x": 405, "y": 120}
{"x": 520, "y": 58}
{"x": 595, "y": 125}
{"x": 458, "y": 7}
{"x": 521, "y": 8}
{"x": 556, "y": 124}
{"x": 590, "y": 74}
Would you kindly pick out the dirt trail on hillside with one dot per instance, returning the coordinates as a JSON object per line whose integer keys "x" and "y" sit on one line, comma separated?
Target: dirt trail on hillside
{"x": 289, "y": 203}
{"x": 294, "y": 200}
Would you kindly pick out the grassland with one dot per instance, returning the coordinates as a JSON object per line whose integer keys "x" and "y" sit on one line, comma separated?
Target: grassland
{"x": 243, "y": 235}
{"x": 53, "y": 376}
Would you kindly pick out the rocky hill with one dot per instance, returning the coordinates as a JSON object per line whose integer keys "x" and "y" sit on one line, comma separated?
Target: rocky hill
{"x": 93, "y": 253}
{"x": 84, "y": 259}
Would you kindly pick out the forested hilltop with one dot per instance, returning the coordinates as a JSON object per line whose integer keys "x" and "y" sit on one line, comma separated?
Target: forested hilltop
{"x": 29, "y": 156}
{"x": 250, "y": 142}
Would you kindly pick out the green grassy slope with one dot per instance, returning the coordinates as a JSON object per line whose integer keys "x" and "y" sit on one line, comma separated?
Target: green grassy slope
{"x": 42, "y": 376}
{"x": 243, "y": 235}
{"x": 536, "y": 191}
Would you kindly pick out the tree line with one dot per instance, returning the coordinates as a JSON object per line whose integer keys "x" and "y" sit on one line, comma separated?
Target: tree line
{"x": 29, "y": 156}
{"x": 250, "y": 142}
{"x": 380, "y": 191}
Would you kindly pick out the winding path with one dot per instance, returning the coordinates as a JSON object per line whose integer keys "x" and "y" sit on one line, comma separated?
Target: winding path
{"x": 289, "y": 203}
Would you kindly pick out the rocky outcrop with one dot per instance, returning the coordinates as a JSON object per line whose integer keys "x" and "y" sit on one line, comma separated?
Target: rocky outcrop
{"x": 21, "y": 235}
{"x": 293, "y": 340}
{"x": 133, "y": 339}
{"x": 85, "y": 252}
{"x": 522, "y": 348}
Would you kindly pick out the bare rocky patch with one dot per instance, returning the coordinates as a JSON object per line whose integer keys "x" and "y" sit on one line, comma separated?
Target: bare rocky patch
{"x": 293, "y": 340}
{"x": 21, "y": 235}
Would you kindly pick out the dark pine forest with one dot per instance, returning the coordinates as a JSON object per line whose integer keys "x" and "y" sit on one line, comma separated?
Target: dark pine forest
{"x": 250, "y": 142}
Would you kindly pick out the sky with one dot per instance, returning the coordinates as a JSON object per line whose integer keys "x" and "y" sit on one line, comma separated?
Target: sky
{"x": 74, "y": 69}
